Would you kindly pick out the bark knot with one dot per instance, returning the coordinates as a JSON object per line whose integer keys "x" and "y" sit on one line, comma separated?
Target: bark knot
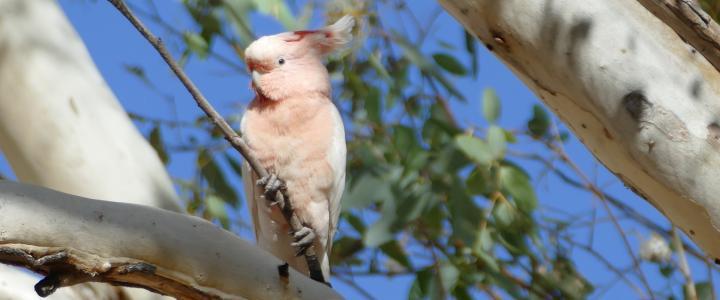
{"x": 636, "y": 104}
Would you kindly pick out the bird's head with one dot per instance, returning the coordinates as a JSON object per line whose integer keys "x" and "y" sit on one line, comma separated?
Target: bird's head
{"x": 290, "y": 63}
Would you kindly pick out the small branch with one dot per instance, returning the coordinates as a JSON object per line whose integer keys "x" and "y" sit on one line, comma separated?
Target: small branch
{"x": 628, "y": 211}
{"x": 683, "y": 265}
{"x": 619, "y": 273}
{"x": 231, "y": 136}
{"x": 560, "y": 151}
{"x": 356, "y": 287}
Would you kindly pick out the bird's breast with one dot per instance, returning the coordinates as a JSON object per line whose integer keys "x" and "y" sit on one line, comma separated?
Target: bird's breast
{"x": 291, "y": 138}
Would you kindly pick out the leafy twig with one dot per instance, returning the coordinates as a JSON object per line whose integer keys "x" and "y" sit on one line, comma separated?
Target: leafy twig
{"x": 280, "y": 197}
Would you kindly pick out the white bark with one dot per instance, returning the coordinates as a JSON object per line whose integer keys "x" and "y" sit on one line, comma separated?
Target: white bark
{"x": 175, "y": 254}
{"x": 633, "y": 91}
{"x": 61, "y": 126}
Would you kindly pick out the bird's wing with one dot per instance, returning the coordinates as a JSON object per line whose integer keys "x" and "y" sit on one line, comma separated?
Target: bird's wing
{"x": 252, "y": 191}
{"x": 337, "y": 156}
{"x": 251, "y": 194}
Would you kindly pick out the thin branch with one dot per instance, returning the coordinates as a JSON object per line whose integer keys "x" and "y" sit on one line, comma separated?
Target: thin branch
{"x": 624, "y": 208}
{"x": 280, "y": 197}
{"x": 488, "y": 290}
{"x": 356, "y": 287}
{"x": 560, "y": 151}
{"x": 619, "y": 273}
{"x": 683, "y": 265}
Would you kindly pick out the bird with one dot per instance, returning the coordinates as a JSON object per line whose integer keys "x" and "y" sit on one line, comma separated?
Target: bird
{"x": 297, "y": 134}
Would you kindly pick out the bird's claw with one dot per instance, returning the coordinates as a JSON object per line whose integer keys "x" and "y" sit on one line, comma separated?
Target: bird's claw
{"x": 271, "y": 184}
{"x": 304, "y": 238}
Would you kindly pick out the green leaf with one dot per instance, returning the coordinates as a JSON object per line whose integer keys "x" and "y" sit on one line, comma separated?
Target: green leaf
{"x": 424, "y": 285}
{"x": 666, "y": 270}
{"x": 491, "y": 105}
{"x": 539, "y": 123}
{"x": 412, "y": 53}
{"x": 375, "y": 62}
{"x": 373, "y": 105}
{"x": 463, "y": 215}
{"x": 517, "y": 184}
{"x": 483, "y": 242}
{"x": 278, "y": 9}
{"x": 383, "y": 230}
{"x": 196, "y": 43}
{"x": 449, "y": 63}
{"x": 235, "y": 165}
{"x": 206, "y": 18}
{"x": 477, "y": 182}
{"x": 157, "y": 143}
{"x": 366, "y": 190}
{"x": 496, "y": 141}
{"x": 345, "y": 248}
{"x": 504, "y": 213}
{"x": 475, "y": 149}
{"x": 379, "y": 233}
{"x": 215, "y": 177}
{"x": 404, "y": 138}
{"x": 397, "y": 253}
{"x": 472, "y": 50}
{"x": 216, "y": 209}
{"x": 449, "y": 275}
{"x": 139, "y": 72}
{"x": 237, "y": 12}
{"x": 704, "y": 290}
{"x": 461, "y": 293}
{"x": 489, "y": 261}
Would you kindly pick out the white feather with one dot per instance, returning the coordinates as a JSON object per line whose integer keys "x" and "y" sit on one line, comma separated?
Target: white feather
{"x": 337, "y": 157}
{"x": 341, "y": 30}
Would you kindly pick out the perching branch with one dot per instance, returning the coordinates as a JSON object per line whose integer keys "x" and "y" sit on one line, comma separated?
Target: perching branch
{"x": 72, "y": 240}
{"x": 280, "y": 197}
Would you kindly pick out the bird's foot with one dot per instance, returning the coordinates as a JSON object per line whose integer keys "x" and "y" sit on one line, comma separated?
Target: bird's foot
{"x": 304, "y": 238}
{"x": 271, "y": 184}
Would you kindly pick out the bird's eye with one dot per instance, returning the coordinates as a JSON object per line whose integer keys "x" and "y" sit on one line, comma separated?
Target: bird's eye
{"x": 281, "y": 61}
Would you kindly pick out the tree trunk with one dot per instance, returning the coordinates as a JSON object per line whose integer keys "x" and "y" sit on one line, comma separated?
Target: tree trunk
{"x": 634, "y": 80}
{"x": 60, "y": 124}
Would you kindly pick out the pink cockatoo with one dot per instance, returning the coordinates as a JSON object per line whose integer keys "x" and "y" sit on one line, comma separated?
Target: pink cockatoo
{"x": 295, "y": 131}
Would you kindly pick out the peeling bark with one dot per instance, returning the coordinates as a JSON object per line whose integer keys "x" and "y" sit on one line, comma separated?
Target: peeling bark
{"x": 72, "y": 240}
{"x": 636, "y": 81}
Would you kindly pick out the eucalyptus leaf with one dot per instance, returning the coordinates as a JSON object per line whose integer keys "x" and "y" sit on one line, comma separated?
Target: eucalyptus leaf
{"x": 476, "y": 149}
{"x": 491, "y": 105}
{"x": 449, "y": 63}
{"x": 395, "y": 251}
{"x": 539, "y": 123}
{"x": 449, "y": 274}
{"x": 215, "y": 177}
{"x": 216, "y": 209}
{"x": 517, "y": 184}
{"x": 196, "y": 43}
{"x": 496, "y": 141}
{"x": 156, "y": 141}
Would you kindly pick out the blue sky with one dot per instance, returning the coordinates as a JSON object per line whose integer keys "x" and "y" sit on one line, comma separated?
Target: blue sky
{"x": 113, "y": 43}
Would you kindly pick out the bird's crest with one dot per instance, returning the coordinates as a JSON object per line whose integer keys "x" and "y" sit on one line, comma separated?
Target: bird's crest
{"x": 328, "y": 39}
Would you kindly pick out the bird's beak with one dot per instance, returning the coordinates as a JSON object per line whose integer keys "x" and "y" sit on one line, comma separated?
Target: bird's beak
{"x": 256, "y": 77}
